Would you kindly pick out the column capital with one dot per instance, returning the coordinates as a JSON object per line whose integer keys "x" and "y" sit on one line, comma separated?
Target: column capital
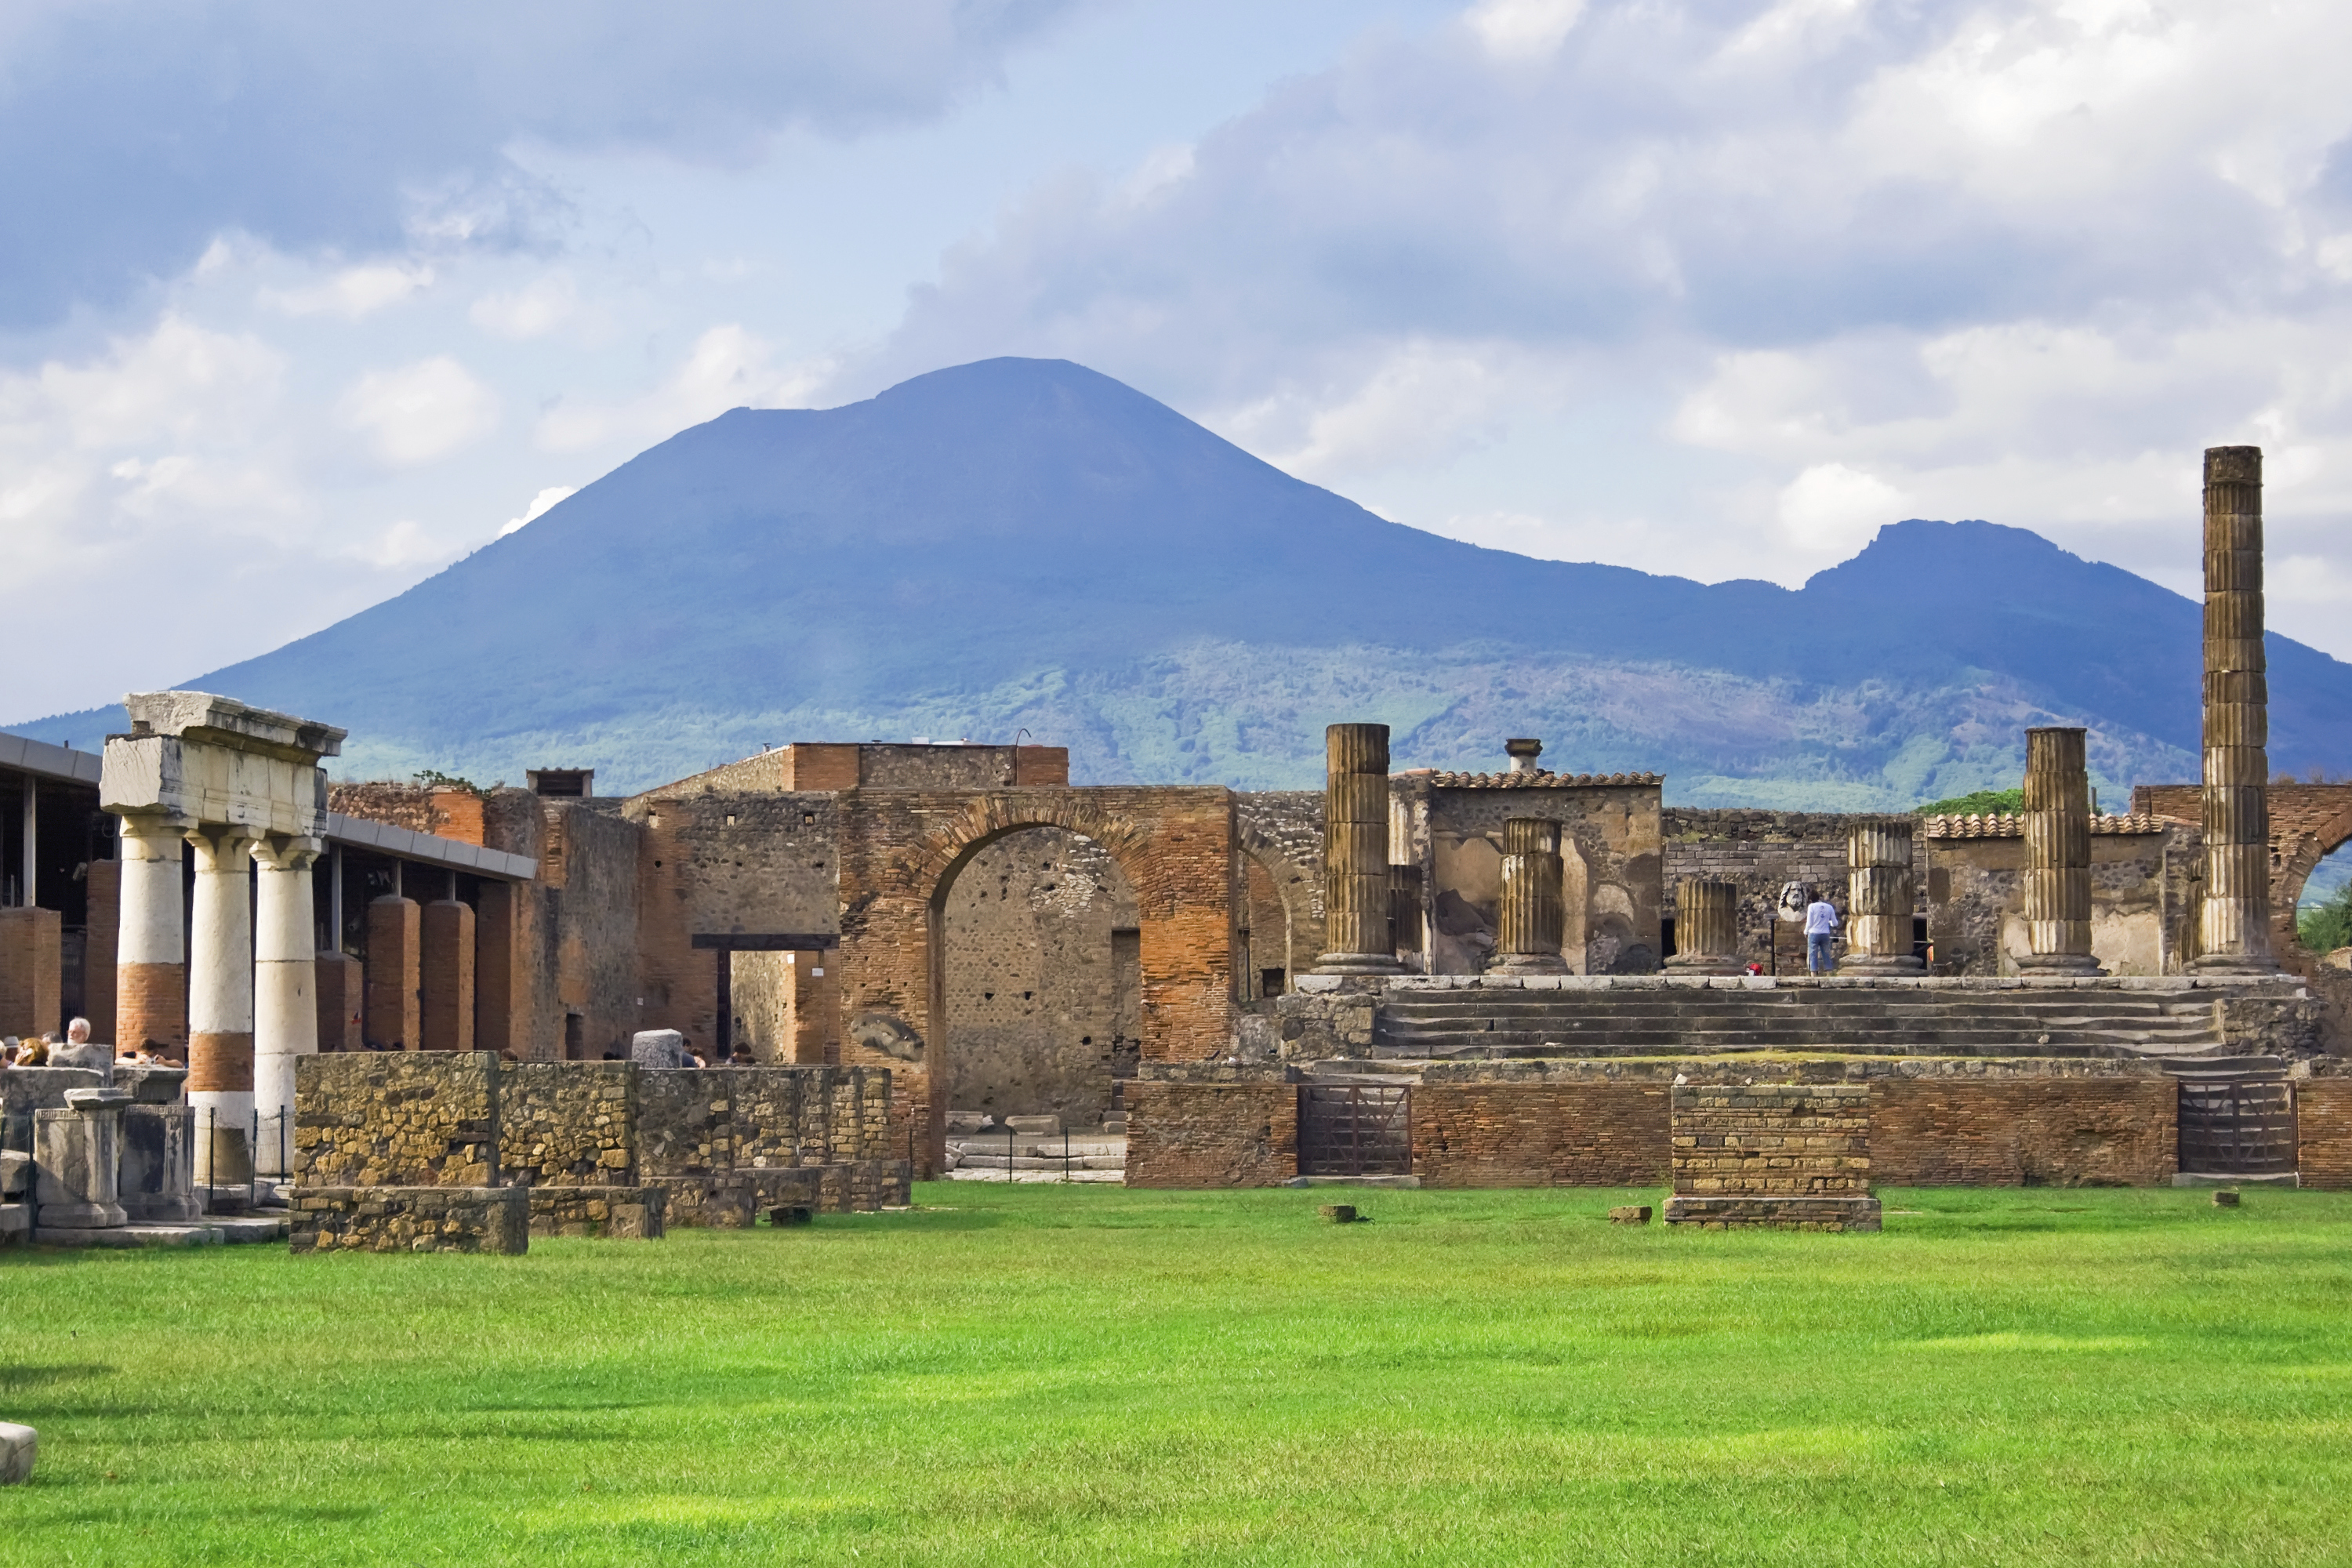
{"x": 222, "y": 841}
{"x": 159, "y": 823}
{"x": 288, "y": 851}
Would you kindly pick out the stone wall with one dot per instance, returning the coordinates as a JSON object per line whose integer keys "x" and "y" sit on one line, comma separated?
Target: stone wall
{"x": 1467, "y": 1134}
{"x": 2077, "y": 1131}
{"x": 693, "y": 1122}
{"x": 1242, "y": 1133}
{"x": 1280, "y": 833}
{"x": 564, "y": 947}
{"x": 623, "y": 1213}
{"x": 1040, "y": 1013}
{"x": 568, "y": 1124}
{"x": 1975, "y": 889}
{"x": 377, "y": 1119}
{"x": 410, "y": 1219}
{"x": 1610, "y": 845}
{"x": 1762, "y": 852}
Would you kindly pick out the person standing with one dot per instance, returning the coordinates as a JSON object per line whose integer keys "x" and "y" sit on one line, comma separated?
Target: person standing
{"x": 1821, "y": 932}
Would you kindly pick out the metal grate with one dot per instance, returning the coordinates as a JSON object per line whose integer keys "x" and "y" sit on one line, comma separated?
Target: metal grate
{"x": 1355, "y": 1129}
{"x": 2237, "y": 1126}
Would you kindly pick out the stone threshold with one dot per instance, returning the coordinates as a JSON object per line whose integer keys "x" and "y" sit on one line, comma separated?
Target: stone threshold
{"x": 213, "y": 1232}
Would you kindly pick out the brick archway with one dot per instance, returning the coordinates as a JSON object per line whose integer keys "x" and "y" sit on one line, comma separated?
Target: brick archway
{"x": 900, "y": 851}
{"x": 2297, "y": 846}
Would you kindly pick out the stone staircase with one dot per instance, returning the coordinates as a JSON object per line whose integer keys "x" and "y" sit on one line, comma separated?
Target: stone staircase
{"x": 1894, "y": 1020}
{"x": 1045, "y": 1157}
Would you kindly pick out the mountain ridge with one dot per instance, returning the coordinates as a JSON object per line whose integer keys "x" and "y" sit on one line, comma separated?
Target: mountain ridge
{"x": 1028, "y": 544}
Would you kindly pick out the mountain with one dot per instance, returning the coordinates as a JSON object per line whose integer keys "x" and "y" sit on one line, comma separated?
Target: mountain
{"x": 1027, "y": 544}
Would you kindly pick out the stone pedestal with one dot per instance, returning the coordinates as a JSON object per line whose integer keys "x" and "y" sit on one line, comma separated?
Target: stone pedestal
{"x": 2058, "y": 842}
{"x": 2235, "y": 922}
{"x": 1706, "y": 926}
{"x": 1356, "y": 852}
{"x": 158, "y": 1174}
{"x": 78, "y": 1155}
{"x": 1531, "y": 915}
{"x": 1879, "y": 900}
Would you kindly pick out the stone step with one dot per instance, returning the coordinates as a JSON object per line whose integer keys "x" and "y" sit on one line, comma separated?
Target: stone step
{"x": 1027, "y": 1162}
{"x": 1954, "y": 1034}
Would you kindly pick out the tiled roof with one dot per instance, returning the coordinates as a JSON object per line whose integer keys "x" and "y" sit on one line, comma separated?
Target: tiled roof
{"x": 1540, "y": 779}
{"x": 2006, "y": 826}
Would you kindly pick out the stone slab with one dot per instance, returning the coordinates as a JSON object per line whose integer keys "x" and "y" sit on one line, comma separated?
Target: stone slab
{"x": 1353, "y": 1182}
{"x": 2209, "y": 1179}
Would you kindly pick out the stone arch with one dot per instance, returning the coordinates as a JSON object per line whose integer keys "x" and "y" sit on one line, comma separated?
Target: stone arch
{"x": 900, "y": 853}
{"x": 2292, "y": 860}
{"x": 1296, "y": 883}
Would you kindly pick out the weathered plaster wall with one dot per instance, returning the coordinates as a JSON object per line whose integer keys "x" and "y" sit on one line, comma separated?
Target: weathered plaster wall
{"x": 1611, "y": 847}
{"x": 1975, "y": 896}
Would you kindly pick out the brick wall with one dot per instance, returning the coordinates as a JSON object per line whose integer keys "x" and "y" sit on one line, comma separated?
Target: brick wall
{"x": 30, "y": 977}
{"x": 2322, "y": 1129}
{"x": 1781, "y": 1139}
{"x": 396, "y": 1119}
{"x": 2039, "y": 1131}
{"x": 1239, "y": 1134}
{"x": 568, "y": 1124}
{"x": 1541, "y": 1136}
{"x": 1175, "y": 846}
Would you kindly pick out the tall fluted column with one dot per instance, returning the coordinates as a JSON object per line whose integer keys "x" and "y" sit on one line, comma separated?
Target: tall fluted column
{"x": 285, "y": 985}
{"x": 2235, "y": 926}
{"x": 151, "y": 973}
{"x": 1356, "y": 851}
{"x": 220, "y": 1003}
{"x": 1528, "y": 940}
{"x": 2058, "y": 841}
{"x": 1706, "y": 926}
{"x": 1879, "y": 899}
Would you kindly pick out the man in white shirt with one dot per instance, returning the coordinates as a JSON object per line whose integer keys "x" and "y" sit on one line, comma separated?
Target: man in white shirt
{"x": 1820, "y": 931}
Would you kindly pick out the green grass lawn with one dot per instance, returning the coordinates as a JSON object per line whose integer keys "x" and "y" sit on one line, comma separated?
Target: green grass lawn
{"x": 1039, "y": 1375}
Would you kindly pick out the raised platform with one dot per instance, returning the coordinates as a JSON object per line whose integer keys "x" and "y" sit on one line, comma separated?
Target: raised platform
{"x": 1859, "y": 1213}
{"x": 1499, "y": 1017}
{"x": 214, "y": 1231}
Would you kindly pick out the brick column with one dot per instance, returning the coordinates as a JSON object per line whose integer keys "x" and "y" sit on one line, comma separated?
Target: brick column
{"x": 495, "y": 1023}
{"x": 102, "y": 894}
{"x": 1706, "y": 926}
{"x": 150, "y": 975}
{"x": 31, "y": 976}
{"x": 447, "y": 1008}
{"x": 339, "y": 1001}
{"x": 1356, "y": 852}
{"x": 285, "y": 985}
{"x": 1529, "y": 940}
{"x": 2235, "y": 923}
{"x": 220, "y": 1002}
{"x": 2058, "y": 844}
{"x": 392, "y": 973}
{"x": 1879, "y": 899}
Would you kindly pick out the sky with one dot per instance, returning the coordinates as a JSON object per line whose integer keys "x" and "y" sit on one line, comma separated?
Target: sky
{"x": 298, "y": 305}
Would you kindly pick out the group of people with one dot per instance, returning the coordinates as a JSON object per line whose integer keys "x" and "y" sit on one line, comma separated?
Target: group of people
{"x": 76, "y": 1050}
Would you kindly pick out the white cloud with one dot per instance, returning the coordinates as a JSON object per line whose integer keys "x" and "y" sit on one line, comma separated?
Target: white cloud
{"x": 1833, "y": 509}
{"x": 727, "y": 367}
{"x": 1512, "y": 29}
{"x": 539, "y": 506}
{"x": 533, "y": 310}
{"x": 403, "y": 545}
{"x": 420, "y": 412}
{"x": 355, "y": 292}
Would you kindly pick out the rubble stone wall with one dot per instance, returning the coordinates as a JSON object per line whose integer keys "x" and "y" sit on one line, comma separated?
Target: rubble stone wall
{"x": 396, "y": 1119}
{"x": 568, "y": 1124}
{"x": 410, "y": 1219}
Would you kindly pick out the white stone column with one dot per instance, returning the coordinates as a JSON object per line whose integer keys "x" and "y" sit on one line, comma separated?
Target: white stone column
{"x": 151, "y": 978}
{"x": 285, "y": 985}
{"x": 220, "y": 1003}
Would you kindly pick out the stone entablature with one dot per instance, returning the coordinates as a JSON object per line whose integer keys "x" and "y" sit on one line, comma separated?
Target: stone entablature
{"x": 1536, "y": 778}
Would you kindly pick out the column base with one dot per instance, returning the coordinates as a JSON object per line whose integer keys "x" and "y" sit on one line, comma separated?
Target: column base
{"x": 1755, "y": 1212}
{"x": 2080, "y": 965}
{"x": 1357, "y": 963}
{"x": 1529, "y": 963}
{"x": 1706, "y": 963}
{"x": 2232, "y": 964}
{"x": 1888, "y": 965}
